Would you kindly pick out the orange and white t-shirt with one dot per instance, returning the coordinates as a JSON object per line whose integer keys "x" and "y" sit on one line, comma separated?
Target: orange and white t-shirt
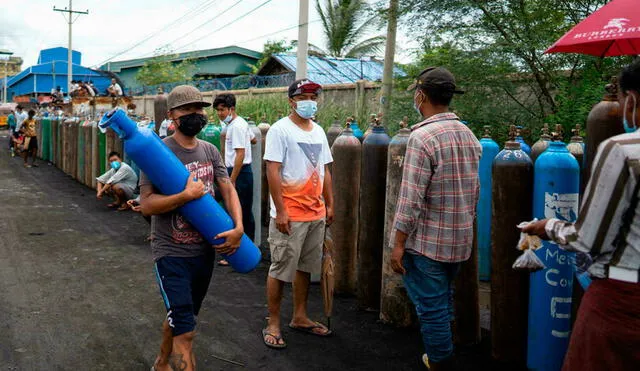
{"x": 303, "y": 155}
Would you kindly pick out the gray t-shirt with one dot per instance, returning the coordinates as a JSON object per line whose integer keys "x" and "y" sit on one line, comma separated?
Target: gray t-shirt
{"x": 172, "y": 234}
{"x": 124, "y": 175}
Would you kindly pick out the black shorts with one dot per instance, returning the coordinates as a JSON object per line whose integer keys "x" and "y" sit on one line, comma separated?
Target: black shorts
{"x": 183, "y": 282}
{"x": 33, "y": 144}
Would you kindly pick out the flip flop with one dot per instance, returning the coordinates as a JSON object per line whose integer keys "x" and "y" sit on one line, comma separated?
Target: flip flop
{"x": 266, "y": 333}
{"x": 309, "y": 329}
{"x": 223, "y": 262}
{"x": 112, "y": 205}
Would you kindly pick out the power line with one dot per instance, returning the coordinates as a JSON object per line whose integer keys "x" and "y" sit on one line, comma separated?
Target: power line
{"x": 225, "y": 25}
{"x": 197, "y": 9}
{"x": 70, "y": 14}
{"x": 151, "y": 53}
{"x": 275, "y": 32}
{"x": 204, "y": 23}
{"x": 214, "y": 31}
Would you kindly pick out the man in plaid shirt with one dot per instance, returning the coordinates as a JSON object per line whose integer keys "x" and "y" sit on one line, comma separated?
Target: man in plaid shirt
{"x": 436, "y": 209}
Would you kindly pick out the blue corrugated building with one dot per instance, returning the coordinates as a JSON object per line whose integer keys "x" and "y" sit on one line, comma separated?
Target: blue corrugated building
{"x": 328, "y": 70}
{"x": 51, "y": 71}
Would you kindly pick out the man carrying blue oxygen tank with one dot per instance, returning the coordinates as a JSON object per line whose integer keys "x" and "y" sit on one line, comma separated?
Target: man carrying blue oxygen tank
{"x": 183, "y": 258}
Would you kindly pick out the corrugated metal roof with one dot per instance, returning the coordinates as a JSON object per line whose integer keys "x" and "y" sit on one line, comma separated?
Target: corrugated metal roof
{"x": 119, "y": 65}
{"x": 330, "y": 70}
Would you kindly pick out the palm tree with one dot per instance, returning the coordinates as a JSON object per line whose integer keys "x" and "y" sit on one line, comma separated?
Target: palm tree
{"x": 345, "y": 22}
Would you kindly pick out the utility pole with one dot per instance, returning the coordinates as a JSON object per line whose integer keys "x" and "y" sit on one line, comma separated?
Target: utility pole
{"x": 70, "y": 12}
{"x": 389, "y": 53}
{"x": 6, "y": 72}
{"x": 303, "y": 40}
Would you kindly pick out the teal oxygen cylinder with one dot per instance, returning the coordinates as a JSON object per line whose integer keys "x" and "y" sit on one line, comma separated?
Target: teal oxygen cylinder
{"x": 555, "y": 195}
{"x": 489, "y": 151}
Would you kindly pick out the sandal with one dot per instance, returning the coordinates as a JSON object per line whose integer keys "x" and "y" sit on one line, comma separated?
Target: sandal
{"x": 309, "y": 329}
{"x": 223, "y": 263}
{"x": 266, "y": 333}
{"x": 112, "y": 205}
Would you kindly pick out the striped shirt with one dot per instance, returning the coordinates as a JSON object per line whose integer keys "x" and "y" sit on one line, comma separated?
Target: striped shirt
{"x": 439, "y": 191}
{"x": 600, "y": 230}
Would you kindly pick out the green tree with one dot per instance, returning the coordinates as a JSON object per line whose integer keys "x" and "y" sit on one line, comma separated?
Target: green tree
{"x": 270, "y": 48}
{"x": 165, "y": 68}
{"x": 345, "y": 22}
{"x": 512, "y": 35}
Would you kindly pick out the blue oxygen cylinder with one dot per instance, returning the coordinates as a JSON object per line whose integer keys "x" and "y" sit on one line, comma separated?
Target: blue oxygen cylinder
{"x": 525, "y": 147}
{"x": 489, "y": 151}
{"x": 353, "y": 124}
{"x": 169, "y": 175}
{"x": 556, "y": 187}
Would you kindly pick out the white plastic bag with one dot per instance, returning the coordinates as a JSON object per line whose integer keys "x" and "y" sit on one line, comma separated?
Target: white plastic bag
{"x": 528, "y": 261}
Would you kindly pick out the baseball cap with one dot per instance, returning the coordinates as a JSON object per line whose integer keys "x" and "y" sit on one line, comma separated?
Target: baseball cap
{"x": 436, "y": 77}
{"x": 304, "y": 86}
{"x": 185, "y": 94}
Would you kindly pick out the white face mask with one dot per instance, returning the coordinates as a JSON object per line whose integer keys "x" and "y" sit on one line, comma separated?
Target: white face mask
{"x": 629, "y": 128}
{"x": 416, "y": 106}
{"x": 306, "y": 108}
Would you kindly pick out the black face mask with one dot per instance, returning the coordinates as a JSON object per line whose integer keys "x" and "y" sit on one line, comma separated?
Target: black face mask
{"x": 192, "y": 124}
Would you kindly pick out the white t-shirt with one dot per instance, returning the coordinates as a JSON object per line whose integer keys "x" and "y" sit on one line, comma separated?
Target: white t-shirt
{"x": 238, "y": 136}
{"x": 303, "y": 155}
{"x": 223, "y": 126}
{"x": 116, "y": 87}
{"x": 20, "y": 117}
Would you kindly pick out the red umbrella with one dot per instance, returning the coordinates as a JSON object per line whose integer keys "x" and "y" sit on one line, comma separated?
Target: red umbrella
{"x": 610, "y": 31}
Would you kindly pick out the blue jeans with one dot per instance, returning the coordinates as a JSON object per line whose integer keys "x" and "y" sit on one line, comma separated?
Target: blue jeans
{"x": 429, "y": 284}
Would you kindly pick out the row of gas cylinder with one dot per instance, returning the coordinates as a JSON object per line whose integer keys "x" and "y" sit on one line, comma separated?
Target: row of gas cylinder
{"x": 532, "y": 314}
{"x": 76, "y": 146}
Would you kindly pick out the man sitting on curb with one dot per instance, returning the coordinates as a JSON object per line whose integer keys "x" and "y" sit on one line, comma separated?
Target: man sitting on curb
{"x": 120, "y": 182}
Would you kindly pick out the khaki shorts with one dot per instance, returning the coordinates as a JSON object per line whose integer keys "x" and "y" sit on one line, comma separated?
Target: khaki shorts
{"x": 301, "y": 250}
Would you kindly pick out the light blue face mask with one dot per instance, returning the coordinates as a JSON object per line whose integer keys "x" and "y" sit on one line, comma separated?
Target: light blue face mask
{"x": 629, "y": 128}
{"x": 228, "y": 119}
{"x": 306, "y": 108}
{"x": 417, "y": 106}
{"x": 115, "y": 165}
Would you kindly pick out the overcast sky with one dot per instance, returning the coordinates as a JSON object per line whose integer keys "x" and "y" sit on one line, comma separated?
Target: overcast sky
{"x": 113, "y": 26}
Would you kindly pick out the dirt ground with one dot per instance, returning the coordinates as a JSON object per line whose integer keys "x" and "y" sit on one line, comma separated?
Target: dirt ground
{"x": 78, "y": 292}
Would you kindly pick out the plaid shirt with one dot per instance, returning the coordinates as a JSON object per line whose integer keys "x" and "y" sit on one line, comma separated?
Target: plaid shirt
{"x": 439, "y": 191}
